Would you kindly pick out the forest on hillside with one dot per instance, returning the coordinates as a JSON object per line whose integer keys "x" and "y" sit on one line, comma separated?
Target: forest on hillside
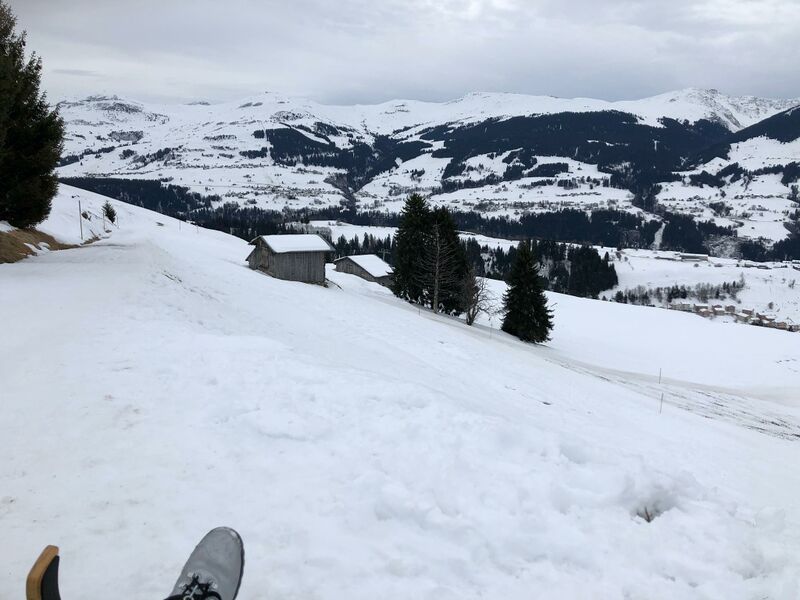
{"x": 603, "y": 227}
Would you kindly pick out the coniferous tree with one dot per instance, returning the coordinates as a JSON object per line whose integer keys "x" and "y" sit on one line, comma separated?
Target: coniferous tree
{"x": 109, "y": 212}
{"x": 410, "y": 246}
{"x": 429, "y": 260}
{"x": 444, "y": 264}
{"x": 31, "y": 133}
{"x": 526, "y": 313}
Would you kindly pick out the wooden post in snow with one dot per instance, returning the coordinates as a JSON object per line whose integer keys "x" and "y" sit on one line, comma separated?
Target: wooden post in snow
{"x": 80, "y": 218}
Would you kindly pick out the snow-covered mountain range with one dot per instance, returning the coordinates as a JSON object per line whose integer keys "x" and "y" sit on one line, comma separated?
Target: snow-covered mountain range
{"x": 499, "y": 154}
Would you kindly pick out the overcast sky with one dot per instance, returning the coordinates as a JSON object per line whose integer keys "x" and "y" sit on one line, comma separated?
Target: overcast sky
{"x": 347, "y": 51}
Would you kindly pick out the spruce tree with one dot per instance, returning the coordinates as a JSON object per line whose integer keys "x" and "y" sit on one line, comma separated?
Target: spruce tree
{"x": 109, "y": 212}
{"x": 31, "y": 133}
{"x": 410, "y": 243}
{"x": 444, "y": 264}
{"x": 525, "y": 305}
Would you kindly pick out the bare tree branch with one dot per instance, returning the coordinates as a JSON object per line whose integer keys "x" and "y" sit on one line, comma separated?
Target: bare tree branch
{"x": 476, "y": 297}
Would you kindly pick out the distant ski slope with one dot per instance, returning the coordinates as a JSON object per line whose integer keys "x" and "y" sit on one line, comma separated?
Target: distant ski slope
{"x": 154, "y": 387}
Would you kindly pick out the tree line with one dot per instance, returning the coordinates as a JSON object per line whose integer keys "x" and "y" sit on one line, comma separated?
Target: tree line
{"x": 703, "y": 292}
{"x": 567, "y": 269}
{"x": 564, "y": 268}
{"x": 603, "y": 227}
{"x": 431, "y": 269}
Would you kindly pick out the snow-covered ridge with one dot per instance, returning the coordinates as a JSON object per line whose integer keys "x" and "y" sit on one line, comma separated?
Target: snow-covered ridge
{"x": 692, "y": 104}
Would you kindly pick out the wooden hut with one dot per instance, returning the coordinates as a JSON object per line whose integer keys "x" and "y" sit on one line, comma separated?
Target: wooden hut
{"x": 366, "y": 266}
{"x": 298, "y": 257}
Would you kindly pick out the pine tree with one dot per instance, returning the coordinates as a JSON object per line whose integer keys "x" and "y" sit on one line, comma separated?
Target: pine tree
{"x": 109, "y": 212}
{"x": 410, "y": 243}
{"x": 444, "y": 264}
{"x": 31, "y": 133}
{"x": 526, "y": 313}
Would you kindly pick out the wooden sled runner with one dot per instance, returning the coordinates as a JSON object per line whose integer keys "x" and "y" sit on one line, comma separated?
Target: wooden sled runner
{"x": 42, "y": 582}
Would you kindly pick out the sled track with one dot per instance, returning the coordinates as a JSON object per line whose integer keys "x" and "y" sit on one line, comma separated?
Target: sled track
{"x": 758, "y": 415}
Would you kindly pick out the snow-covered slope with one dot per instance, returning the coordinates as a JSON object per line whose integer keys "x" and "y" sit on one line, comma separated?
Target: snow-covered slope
{"x": 749, "y": 180}
{"x": 275, "y": 152}
{"x": 153, "y": 387}
{"x": 735, "y": 112}
{"x": 769, "y": 287}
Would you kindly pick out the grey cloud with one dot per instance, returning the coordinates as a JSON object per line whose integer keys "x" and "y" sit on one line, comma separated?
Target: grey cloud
{"x": 367, "y": 51}
{"x": 77, "y": 72}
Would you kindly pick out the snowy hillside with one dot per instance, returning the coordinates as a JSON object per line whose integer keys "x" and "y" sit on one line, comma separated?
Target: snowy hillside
{"x": 366, "y": 449}
{"x": 498, "y": 154}
{"x": 769, "y": 288}
{"x": 749, "y": 181}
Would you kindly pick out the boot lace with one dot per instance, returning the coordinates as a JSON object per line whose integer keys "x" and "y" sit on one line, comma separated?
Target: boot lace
{"x": 195, "y": 590}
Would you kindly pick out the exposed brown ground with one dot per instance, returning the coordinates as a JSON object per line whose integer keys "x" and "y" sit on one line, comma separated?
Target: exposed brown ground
{"x": 13, "y": 248}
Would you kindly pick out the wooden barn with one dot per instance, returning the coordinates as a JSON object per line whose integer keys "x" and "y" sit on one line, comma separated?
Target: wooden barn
{"x": 366, "y": 266}
{"x": 299, "y": 257}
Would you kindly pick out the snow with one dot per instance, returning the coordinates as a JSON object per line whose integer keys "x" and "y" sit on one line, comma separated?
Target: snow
{"x": 770, "y": 290}
{"x": 207, "y": 142}
{"x": 300, "y": 242}
{"x": 758, "y": 208}
{"x": 711, "y": 353}
{"x": 340, "y": 228}
{"x": 5, "y": 227}
{"x": 155, "y": 387}
{"x": 372, "y": 264}
{"x": 65, "y": 225}
{"x": 759, "y": 152}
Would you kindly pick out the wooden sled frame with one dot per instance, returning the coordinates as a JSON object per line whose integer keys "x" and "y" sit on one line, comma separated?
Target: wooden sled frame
{"x": 42, "y": 582}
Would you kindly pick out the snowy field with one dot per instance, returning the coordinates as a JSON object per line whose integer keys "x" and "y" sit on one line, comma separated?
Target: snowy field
{"x": 154, "y": 387}
{"x": 770, "y": 287}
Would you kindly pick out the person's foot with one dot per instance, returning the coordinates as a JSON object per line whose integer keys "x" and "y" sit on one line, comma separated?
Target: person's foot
{"x": 214, "y": 569}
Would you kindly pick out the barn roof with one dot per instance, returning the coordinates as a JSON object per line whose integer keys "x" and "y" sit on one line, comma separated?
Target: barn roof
{"x": 295, "y": 242}
{"x": 371, "y": 263}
